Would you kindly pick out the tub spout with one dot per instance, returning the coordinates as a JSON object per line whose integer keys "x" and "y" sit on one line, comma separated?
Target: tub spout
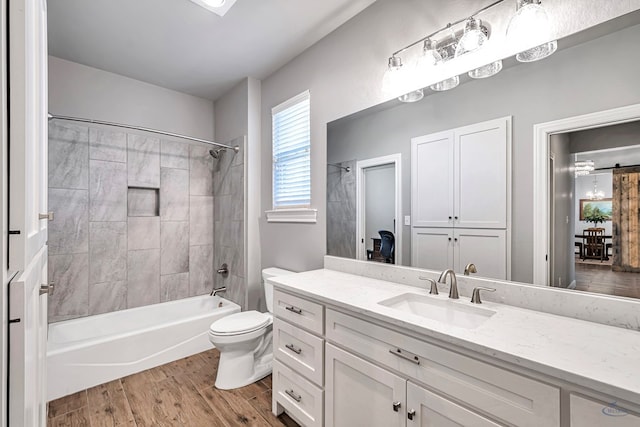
{"x": 214, "y": 291}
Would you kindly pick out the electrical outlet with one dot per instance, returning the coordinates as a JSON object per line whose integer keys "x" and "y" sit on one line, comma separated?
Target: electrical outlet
{"x": 407, "y": 220}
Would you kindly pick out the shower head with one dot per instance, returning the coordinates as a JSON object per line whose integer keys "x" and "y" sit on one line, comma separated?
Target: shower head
{"x": 216, "y": 154}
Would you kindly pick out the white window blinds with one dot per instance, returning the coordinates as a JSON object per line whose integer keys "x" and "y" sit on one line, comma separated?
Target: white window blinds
{"x": 291, "y": 153}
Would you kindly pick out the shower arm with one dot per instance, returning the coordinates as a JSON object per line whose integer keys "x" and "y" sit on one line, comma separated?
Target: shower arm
{"x": 143, "y": 129}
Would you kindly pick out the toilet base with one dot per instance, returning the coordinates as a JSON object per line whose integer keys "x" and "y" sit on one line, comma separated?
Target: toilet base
{"x": 239, "y": 367}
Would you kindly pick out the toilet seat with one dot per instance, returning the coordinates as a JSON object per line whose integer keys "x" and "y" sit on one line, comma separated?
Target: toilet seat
{"x": 240, "y": 323}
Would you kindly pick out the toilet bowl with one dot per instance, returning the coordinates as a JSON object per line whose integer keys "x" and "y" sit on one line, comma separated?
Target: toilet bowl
{"x": 245, "y": 341}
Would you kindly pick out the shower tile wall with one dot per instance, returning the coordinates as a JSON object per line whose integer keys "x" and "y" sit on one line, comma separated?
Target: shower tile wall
{"x": 133, "y": 220}
{"x": 341, "y": 210}
{"x": 228, "y": 181}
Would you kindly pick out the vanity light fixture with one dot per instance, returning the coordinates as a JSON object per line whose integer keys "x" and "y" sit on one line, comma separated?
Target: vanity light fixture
{"x": 219, "y": 7}
{"x": 529, "y": 25}
{"x": 583, "y": 167}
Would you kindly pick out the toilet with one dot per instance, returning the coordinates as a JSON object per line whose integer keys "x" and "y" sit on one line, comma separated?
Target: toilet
{"x": 245, "y": 341}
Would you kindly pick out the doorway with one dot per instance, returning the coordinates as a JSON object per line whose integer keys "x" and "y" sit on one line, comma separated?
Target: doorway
{"x": 546, "y": 223}
{"x": 378, "y": 209}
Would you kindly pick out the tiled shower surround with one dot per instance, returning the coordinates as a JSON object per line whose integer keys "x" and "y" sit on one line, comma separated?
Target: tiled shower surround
{"x": 134, "y": 220}
{"x": 341, "y": 210}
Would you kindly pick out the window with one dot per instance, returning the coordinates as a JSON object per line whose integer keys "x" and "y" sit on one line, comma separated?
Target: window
{"x": 291, "y": 153}
{"x": 292, "y": 161}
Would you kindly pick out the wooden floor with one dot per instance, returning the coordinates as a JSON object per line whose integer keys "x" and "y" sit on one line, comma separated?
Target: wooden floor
{"x": 600, "y": 279}
{"x": 180, "y": 393}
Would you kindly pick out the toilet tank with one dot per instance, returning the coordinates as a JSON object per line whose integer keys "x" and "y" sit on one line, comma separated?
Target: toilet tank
{"x": 267, "y": 274}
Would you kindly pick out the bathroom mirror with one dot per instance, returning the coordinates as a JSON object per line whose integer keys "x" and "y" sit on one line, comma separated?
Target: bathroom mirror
{"x": 592, "y": 71}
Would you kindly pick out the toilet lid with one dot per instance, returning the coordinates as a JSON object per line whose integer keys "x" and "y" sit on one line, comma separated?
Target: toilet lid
{"x": 246, "y": 321}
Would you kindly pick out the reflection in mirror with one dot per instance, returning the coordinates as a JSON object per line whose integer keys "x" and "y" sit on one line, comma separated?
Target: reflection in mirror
{"x": 591, "y": 71}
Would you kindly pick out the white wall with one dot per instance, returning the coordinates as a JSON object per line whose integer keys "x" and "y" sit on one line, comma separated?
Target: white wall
{"x": 81, "y": 91}
{"x": 343, "y": 73}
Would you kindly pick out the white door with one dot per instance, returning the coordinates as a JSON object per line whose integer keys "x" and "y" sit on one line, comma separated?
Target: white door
{"x": 27, "y": 202}
{"x": 432, "y": 180}
{"x": 360, "y": 394}
{"x": 427, "y": 409}
{"x": 487, "y": 249}
{"x": 28, "y": 345}
{"x": 432, "y": 248}
{"x": 482, "y": 174}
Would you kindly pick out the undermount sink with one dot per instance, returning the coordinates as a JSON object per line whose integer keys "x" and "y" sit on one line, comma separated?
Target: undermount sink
{"x": 446, "y": 311}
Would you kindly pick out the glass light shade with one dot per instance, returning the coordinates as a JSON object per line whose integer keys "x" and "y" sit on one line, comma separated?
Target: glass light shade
{"x": 539, "y": 52}
{"x": 429, "y": 57}
{"x": 486, "y": 70}
{"x": 446, "y": 84}
{"x": 529, "y": 26}
{"x": 472, "y": 39}
{"x": 393, "y": 76}
{"x": 584, "y": 167}
{"x": 414, "y": 96}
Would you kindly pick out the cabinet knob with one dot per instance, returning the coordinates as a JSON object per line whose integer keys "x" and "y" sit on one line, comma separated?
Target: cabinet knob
{"x": 47, "y": 216}
{"x": 449, "y": 238}
{"x": 450, "y": 218}
{"x": 455, "y": 217}
{"x": 47, "y": 289}
{"x": 410, "y": 414}
{"x": 397, "y": 406}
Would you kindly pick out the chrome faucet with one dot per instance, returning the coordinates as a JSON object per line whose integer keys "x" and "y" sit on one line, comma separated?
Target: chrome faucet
{"x": 470, "y": 268}
{"x": 453, "y": 290}
{"x": 215, "y": 291}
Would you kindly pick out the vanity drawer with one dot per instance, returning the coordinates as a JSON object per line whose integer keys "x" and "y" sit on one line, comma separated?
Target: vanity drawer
{"x": 299, "y": 311}
{"x": 300, "y": 398}
{"x": 588, "y": 412}
{"x": 497, "y": 392}
{"x": 299, "y": 350}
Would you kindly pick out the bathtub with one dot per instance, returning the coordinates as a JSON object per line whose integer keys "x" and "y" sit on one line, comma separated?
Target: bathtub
{"x": 85, "y": 352}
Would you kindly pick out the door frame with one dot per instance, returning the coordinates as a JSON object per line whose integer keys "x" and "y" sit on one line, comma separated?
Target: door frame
{"x": 361, "y": 165}
{"x": 541, "y": 134}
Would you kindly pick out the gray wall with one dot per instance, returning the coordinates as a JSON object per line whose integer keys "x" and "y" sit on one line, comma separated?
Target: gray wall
{"x": 564, "y": 219}
{"x": 563, "y": 85}
{"x": 81, "y": 91}
{"x": 133, "y": 220}
{"x": 344, "y": 72}
{"x": 621, "y": 135}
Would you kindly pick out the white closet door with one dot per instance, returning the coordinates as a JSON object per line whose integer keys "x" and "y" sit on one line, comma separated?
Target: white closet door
{"x": 359, "y": 393}
{"x": 482, "y": 174}
{"x": 432, "y": 248}
{"x": 487, "y": 249}
{"x": 432, "y": 180}
{"x": 28, "y": 199}
{"x": 427, "y": 409}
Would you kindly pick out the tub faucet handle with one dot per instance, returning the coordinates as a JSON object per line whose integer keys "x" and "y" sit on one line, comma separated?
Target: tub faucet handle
{"x": 223, "y": 270}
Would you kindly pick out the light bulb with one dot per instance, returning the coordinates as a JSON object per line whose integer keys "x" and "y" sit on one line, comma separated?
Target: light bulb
{"x": 414, "y": 96}
{"x": 486, "y": 70}
{"x": 446, "y": 84}
{"x": 392, "y": 77}
{"x": 530, "y": 26}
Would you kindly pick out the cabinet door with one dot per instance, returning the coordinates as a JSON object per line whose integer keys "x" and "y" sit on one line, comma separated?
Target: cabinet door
{"x": 482, "y": 174}
{"x": 432, "y": 180}
{"x": 487, "y": 249}
{"x": 587, "y": 412}
{"x": 427, "y": 409}
{"x": 359, "y": 393}
{"x": 432, "y": 248}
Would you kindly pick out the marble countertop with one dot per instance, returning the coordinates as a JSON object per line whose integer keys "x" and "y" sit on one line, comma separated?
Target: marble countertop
{"x": 592, "y": 355}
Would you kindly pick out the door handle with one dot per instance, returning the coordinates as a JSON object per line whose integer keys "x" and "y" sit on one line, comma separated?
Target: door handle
{"x": 47, "y": 289}
{"x": 48, "y": 216}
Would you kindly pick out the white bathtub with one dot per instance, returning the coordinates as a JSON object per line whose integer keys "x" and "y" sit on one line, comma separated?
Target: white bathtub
{"x": 85, "y": 352}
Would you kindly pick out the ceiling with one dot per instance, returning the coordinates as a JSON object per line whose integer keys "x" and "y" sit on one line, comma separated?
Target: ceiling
{"x": 179, "y": 45}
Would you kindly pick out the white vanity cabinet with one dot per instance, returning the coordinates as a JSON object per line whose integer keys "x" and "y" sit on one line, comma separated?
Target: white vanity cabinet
{"x": 442, "y": 248}
{"x": 298, "y": 368}
{"x": 460, "y": 198}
